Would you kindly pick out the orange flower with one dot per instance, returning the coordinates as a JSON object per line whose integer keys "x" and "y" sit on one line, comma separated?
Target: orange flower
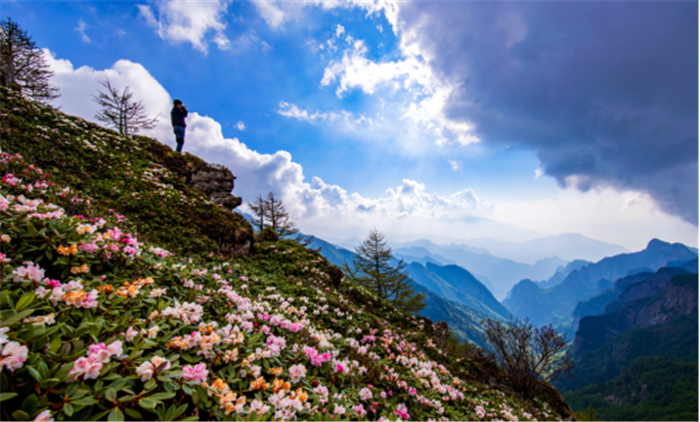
{"x": 276, "y": 371}
{"x": 76, "y": 296}
{"x": 300, "y": 394}
{"x": 259, "y": 384}
{"x": 70, "y": 250}
{"x": 107, "y": 288}
{"x": 279, "y": 384}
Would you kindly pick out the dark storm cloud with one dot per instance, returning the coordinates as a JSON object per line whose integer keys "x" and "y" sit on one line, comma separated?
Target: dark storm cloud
{"x": 605, "y": 91}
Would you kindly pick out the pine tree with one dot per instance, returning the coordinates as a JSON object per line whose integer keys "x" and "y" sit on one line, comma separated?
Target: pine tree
{"x": 372, "y": 268}
{"x": 22, "y": 64}
{"x": 121, "y": 111}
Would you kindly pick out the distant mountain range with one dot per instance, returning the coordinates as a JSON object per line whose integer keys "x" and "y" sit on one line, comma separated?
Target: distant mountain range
{"x": 568, "y": 246}
{"x": 452, "y": 294}
{"x": 500, "y": 273}
{"x": 555, "y": 305}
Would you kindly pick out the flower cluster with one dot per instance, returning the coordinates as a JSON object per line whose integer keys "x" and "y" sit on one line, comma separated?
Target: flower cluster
{"x": 98, "y": 354}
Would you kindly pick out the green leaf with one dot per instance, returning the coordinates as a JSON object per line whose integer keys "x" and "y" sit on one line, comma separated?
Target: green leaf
{"x": 150, "y": 384}
{"x": 111, "y": 395}
{"x": 111, "y": 377}
{"x": 55, "y": 344}
{"x": 68, "y": 409}
{"x": 29, "y": 404}
{"x": 7, "y": 396}
{"x": 116, "y": 416}
{"x": 34, "y": 373}
{"x": 86, "y": 401}
{"x": 133, "y": 414}
{"x": 20, "y": 415}
{"x": 148, "y": 403}
{"x": 161, "y": 396}
{"x": 179, "y": 411}
{"x": 25, "y": 301}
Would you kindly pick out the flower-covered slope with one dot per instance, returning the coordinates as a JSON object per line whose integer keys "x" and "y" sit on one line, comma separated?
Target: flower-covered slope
{"x": 97, "y": 323}
{"x": 127, "y": 175}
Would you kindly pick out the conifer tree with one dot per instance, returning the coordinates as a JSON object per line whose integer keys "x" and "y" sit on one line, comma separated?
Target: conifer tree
{"x": 372, "y": 268}
{"x": 22, "y": 64}
{"x": 121, "y": 111}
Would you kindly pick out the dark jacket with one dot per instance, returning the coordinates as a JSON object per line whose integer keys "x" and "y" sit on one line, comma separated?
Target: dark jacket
{"x": 177, "y": 116}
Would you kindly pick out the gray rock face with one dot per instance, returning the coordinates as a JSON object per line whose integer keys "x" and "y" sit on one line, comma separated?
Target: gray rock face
{"x": 218, "y": 184}
{"x": 440, "y": 333}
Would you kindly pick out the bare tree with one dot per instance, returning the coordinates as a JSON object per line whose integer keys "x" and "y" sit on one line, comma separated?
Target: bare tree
{"x": 278, "y": 217}
{"x": 528, "y": 353}
{"x": 270, "y": 212}
{"x": 372, "y": 268}
{"x": 22, "y": 64}
{"x": 259, "y": 211}
{"x": 121, "y": 111}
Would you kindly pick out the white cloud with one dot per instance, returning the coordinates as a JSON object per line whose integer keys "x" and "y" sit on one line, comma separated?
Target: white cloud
{"x": 240, "y": 125}
{"x": 428, "y": 94}
{"x": 456, "y": 165}
{"x": 272, "y": 13}
{"x": 348, "y": 119}
{"x": 189, "y": 22}
{"x": 339, "y": 30}
{"x": 81, "y": 28}
{"x": 538, "y": 173}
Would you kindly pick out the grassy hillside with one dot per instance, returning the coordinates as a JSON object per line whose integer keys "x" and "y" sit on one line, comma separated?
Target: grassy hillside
{"x": 118, "y": 303}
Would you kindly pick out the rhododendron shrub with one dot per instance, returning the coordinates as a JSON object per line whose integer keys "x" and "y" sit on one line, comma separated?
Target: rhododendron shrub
{"x": 96, "y": 323}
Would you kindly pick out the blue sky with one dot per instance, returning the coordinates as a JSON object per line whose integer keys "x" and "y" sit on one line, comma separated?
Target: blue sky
{"x": 451, "y": 120}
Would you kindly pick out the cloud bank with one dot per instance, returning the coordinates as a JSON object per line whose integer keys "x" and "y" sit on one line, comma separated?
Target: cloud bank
{"x": 606, "y": 93}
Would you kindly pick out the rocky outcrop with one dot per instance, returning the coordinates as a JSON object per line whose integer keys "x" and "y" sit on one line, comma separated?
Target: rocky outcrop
{"x": 216, "y": 181}
{"x": 440, "y": 333}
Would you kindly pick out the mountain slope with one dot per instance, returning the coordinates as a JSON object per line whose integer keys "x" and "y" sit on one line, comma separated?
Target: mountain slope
{"x": 457, "y": 284}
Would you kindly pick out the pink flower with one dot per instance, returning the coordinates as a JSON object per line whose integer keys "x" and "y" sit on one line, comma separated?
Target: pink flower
{"x": 13, "y": 355}
{"x": 44, "y": 416}
{"x": 412, "y": 391}
{"x": 365, "y": 394}
{"x": 130, "y": 334}
{"x": 296, "y": 373}
{"x": 197, "y": 374}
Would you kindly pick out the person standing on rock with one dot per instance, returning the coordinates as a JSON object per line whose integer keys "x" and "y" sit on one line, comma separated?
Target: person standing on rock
{"x": 177, "y": 118}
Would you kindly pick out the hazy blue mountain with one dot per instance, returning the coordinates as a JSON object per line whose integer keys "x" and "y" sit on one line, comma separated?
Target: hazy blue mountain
{"x": 336, "y": 255}
{"x": 464, "y": 321}
{"x": 457, "y": 284}
{"x": 568, "y": 246}
{"x": 415, "y": 252}
{"x": 561, "y": 272}
{"x": 556, "y": 305}
{"x": 502, "y": 273}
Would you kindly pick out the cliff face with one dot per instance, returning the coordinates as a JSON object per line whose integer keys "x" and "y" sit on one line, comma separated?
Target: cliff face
{"x": 678, "y": 297}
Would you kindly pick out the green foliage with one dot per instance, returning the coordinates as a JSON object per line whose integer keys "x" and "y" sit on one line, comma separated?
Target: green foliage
{"x": 651, "y": 388}
{"x": 372, "y": 268}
